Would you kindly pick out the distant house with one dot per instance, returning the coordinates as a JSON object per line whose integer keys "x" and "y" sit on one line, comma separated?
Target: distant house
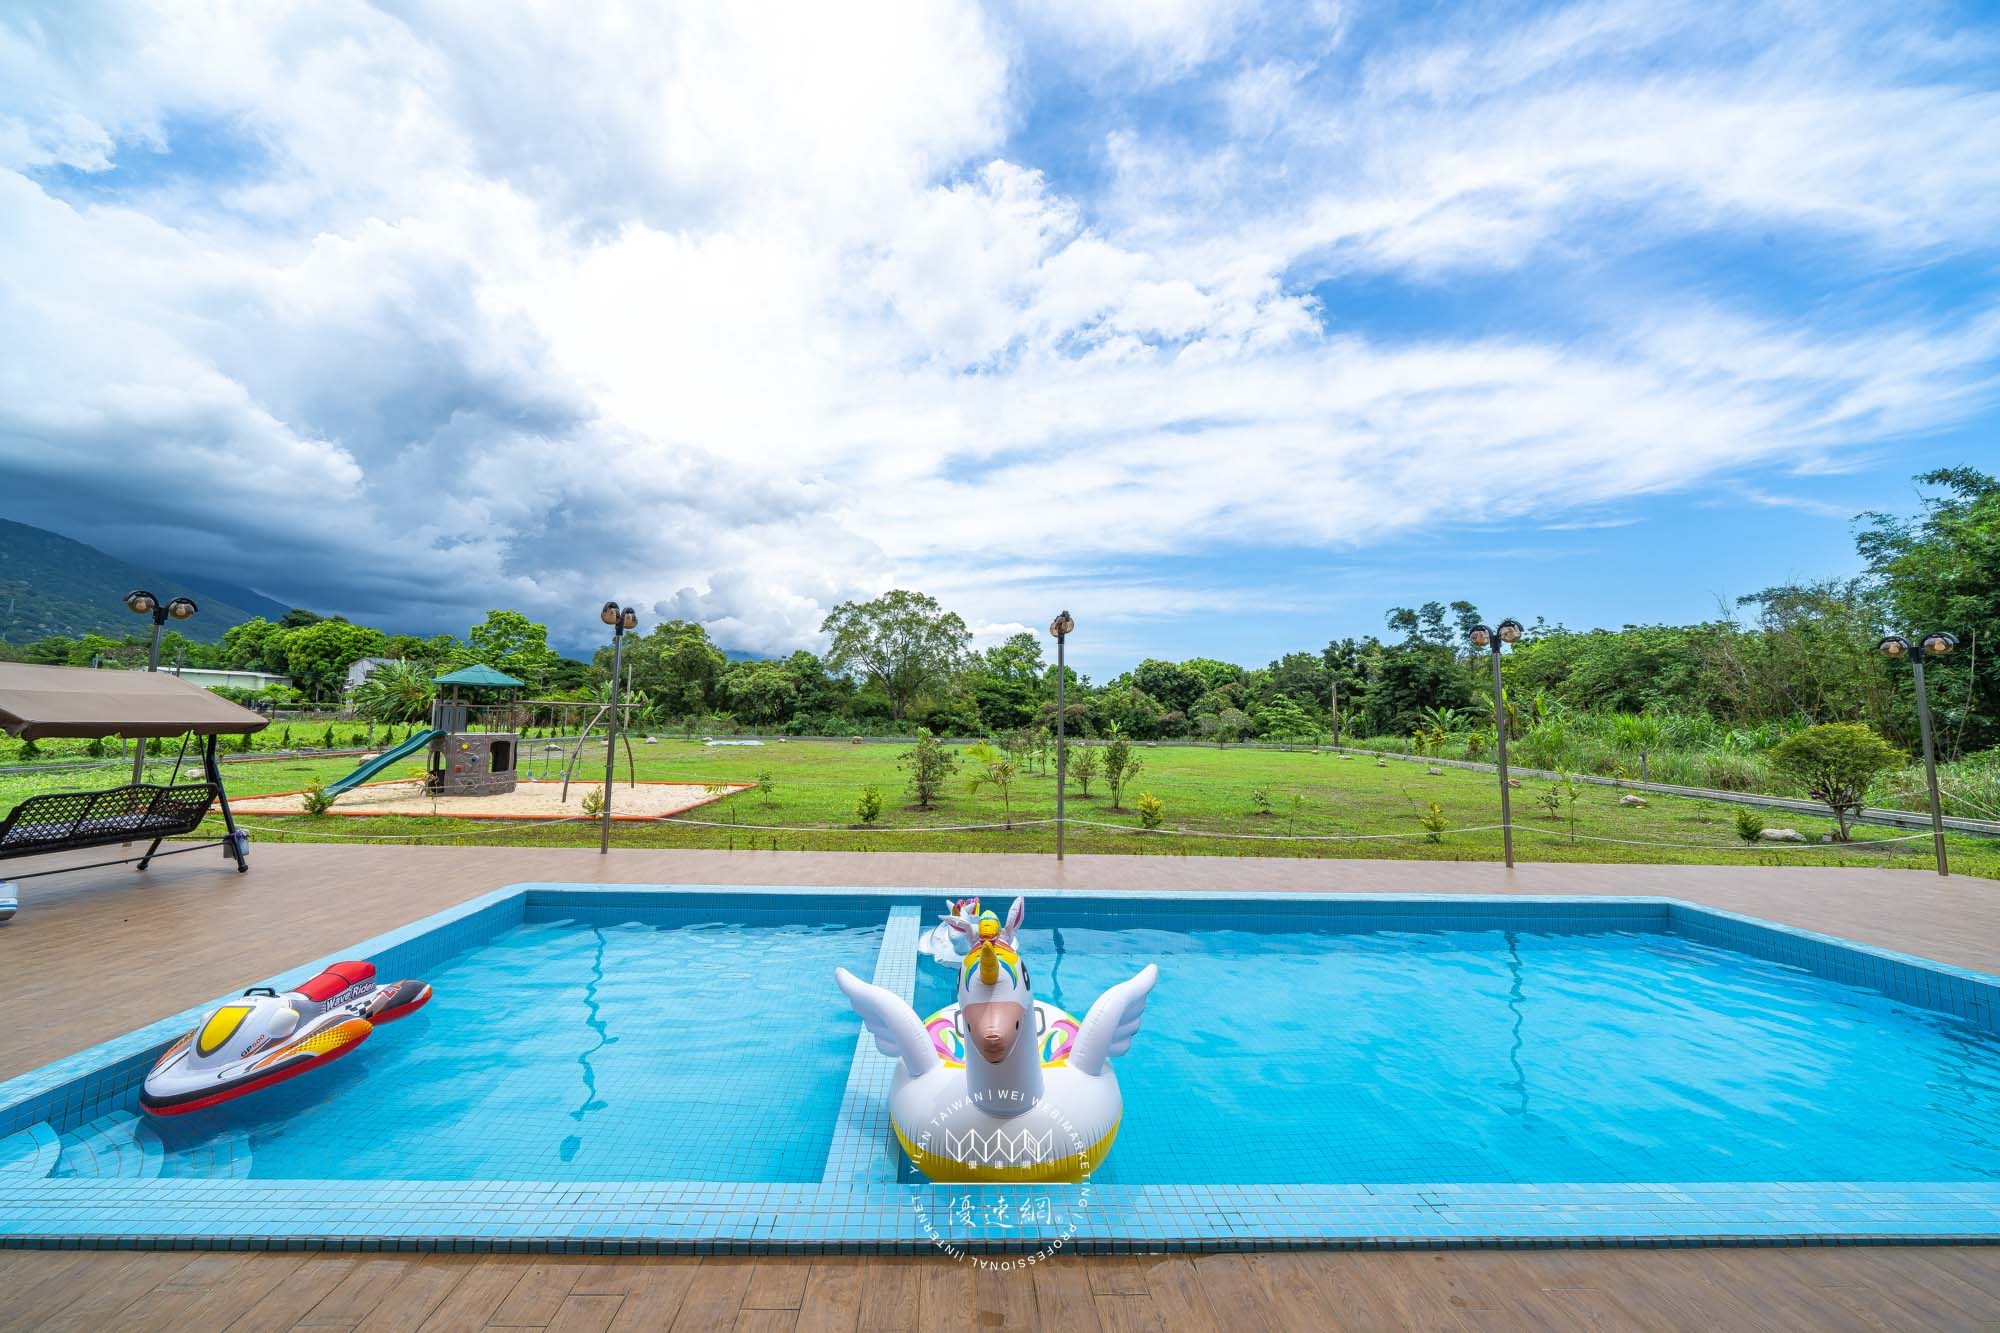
{"x": 212, "y": 677}
{"x": 362, "y": 670}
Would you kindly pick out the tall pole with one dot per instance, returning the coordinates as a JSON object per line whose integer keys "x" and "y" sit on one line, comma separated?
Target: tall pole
{"x": 1333, "y": 705}
{"x": 1930, "y": 764}
{"x": 1500, "y": 732}
{"x": 152, "y": 664}
{"x": 611, "y": 736}
{"x": 1062, "y": 753}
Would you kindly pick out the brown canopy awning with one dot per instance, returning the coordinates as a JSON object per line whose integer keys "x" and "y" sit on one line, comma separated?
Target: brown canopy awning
{"x": 43, "y": 702}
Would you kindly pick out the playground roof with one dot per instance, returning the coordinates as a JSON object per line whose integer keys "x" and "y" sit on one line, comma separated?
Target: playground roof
{"x": 478, "y": 674}
{"x": 42, "y": 702}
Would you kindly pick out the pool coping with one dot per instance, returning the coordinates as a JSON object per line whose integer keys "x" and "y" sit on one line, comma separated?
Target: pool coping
{"x": 859, "y": 1209}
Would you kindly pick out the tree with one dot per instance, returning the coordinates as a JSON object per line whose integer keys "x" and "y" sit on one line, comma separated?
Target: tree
{"x": 760, "y": 693}
{"x": 508, "y": 641}
{"x": 318, "y": 655}
{"x": 398, "y": 691}
{"x": 254, "y": 645}
{"x": 677, "y": 666}
{"x": 995, "y": 768}
{"x": 1120, "y": 767}
{"x": 903, "y": 641}
{"x": 930, "y": 765}
{"x": 1835, "y": 762}
{"x": 1940, "y": 572}
{"x": 1173, "y": 686}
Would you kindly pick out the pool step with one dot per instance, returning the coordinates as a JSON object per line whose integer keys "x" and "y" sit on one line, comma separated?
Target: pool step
{"x": 32, "y": 1152}
{"x": 119, "y": 1145}
{"x": 224, "y": 1157}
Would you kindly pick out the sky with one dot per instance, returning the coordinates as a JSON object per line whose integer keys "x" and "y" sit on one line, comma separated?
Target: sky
{"x": 1223, "y": 326}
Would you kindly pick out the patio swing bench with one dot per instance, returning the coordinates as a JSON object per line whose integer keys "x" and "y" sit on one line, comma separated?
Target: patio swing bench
{"x": 38, "y": 702}
{"x": 72, "y": 820}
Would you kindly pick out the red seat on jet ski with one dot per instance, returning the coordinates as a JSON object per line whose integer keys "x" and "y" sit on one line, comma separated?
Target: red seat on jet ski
{"x": 336, "y": 979}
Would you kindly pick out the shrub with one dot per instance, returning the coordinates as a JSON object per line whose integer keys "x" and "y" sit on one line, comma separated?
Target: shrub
{"x": 995, "y": 768}
{"x": 1434, "y": 821}
{"x": 29, "y": 750}
{"x": 156, "y": 746}
{"x": 243, "y": 743}
{"x": 1749, "y": 824}
{"x": 1260, "y": 800}
{"x": 1152, "y": 810}
{"x": 1729, "y": 772}
{"x": 326, "y": 741}
{"x": 1083, "y": 767}
{"x": 314, "y": 798}
{"x": 593, "y": 802}
{"x": 1475, "y": 745}
{"x": 96, "y": 748}
{"x": 869, "y": 808}
{"x": 1560, "y": 798}
{"x": 1835, "y": 762}
{"x": 767, "y": 787}
{"x": 285, "y": 738}
{"x": 930, "y": 766}
{"x": 1120, "y": 767}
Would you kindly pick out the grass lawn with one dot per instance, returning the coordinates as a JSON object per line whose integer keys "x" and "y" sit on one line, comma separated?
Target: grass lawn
{"x": 1205, "y": 792}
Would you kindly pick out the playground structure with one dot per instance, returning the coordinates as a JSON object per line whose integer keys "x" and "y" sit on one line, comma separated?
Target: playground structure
{"x": 477, "y": 749}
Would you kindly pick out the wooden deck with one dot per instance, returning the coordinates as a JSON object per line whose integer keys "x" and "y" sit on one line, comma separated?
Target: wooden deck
{"x": 99, "y": 953}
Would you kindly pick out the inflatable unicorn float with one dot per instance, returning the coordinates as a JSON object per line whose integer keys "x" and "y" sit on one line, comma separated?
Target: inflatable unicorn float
{"x": 1001, "y": 1087}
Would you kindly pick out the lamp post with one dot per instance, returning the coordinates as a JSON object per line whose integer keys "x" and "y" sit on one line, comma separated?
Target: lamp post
{"x": 1062, "y": 626}
{"x": 1895, "y": 647}
{"x": 620, "y": 619}
{"x": 142, "y": 603}
{"x": 1483, "y": 637}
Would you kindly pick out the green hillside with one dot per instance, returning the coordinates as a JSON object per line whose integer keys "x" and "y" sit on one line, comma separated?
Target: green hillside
{"x": 51, "y": 585}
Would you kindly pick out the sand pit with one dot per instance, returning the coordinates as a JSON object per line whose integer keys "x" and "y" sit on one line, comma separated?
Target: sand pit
{"x": 528, "y": 800}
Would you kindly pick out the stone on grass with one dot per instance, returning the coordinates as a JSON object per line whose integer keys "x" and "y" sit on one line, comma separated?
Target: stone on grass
{"x": 1782, "y": 835}
{"x": 1381, "y": 763}
{"x": 1435, "y": 771}
{"x": 1628, "y": 799}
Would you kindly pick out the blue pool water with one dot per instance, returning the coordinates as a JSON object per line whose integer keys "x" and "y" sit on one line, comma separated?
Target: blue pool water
{"x": 1501, "y": 1056}
{"x": 566, "y": 1052}
{"x": 721, "y": 1052}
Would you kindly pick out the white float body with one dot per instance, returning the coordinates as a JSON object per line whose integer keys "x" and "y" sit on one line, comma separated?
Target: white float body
{"x": 950, "y": 1137}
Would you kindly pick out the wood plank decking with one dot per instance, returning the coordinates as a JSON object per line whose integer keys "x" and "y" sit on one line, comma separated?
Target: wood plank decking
{"x": 98, "y": 953}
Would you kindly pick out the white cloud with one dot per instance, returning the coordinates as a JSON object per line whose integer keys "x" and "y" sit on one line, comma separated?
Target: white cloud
{"x": 734, "y": 317}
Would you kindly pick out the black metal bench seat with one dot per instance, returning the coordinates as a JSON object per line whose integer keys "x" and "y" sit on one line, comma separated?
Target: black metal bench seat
{"x": 65, "y": 821}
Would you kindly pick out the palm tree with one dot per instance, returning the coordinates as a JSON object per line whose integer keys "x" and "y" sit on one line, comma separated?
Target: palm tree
{"x": 395, "y": 692}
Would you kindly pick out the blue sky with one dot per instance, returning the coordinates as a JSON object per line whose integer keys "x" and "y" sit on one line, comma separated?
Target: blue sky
{"x": 1226, "y": 326}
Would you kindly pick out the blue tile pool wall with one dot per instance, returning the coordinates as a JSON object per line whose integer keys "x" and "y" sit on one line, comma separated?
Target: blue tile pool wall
{"x": 874, "y": 1216}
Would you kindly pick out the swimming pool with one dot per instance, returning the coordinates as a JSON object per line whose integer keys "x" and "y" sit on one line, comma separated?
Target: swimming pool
{"x": 673, "y": 1069}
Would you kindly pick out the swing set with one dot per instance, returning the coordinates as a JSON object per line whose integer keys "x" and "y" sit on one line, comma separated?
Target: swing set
{"x": 50, "y": 703}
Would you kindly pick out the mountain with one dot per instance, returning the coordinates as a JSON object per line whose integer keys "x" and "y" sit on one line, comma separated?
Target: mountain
{"x": 51, "y": 585}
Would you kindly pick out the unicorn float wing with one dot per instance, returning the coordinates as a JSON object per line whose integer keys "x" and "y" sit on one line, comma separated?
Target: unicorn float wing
{"x": 1112, "y": 1022}
{"x": 890, "y": 1020}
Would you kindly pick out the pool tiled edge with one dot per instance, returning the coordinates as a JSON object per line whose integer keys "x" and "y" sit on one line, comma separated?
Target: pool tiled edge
{"x": 858, "y": 1206}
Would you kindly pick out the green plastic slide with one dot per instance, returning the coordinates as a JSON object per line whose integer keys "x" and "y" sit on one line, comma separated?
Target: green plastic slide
{"x": 420, "y": 741}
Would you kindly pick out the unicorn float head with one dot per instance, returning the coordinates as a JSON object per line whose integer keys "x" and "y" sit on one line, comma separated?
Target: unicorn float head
{"x": 946, "y": 943}
{"x": 999, "y": 1057}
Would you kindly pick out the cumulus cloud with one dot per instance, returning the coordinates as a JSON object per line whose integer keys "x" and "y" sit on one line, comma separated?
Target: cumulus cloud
{"x": 405, "y": 313}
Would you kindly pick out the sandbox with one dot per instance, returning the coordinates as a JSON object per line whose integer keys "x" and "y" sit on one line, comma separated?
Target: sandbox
{"x": 528, "y": 800}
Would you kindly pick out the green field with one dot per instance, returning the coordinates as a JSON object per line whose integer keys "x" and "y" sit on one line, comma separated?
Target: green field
{"x": 1207, "y": 793}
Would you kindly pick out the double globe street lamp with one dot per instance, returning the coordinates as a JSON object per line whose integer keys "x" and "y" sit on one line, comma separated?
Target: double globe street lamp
{"x": 620, "y": 618}
{"x": 1062, "y": 627}
{"x": 142, "y": 603}
{"x": 1895, "y": 647}
{"x": 1483, "y": 636}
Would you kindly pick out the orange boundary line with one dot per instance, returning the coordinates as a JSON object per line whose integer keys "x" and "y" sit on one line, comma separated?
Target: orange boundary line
{"x": 239, "y": 808}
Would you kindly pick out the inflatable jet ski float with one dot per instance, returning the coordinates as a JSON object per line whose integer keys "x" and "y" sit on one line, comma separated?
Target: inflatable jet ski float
{"x": 263, "y": 1037}
{"x": 1001, "y": 1087}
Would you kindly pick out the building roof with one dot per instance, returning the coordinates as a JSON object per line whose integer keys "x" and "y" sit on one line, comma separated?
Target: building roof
{"x": 45, "y": 702}
{"x": 478, "y": 674}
